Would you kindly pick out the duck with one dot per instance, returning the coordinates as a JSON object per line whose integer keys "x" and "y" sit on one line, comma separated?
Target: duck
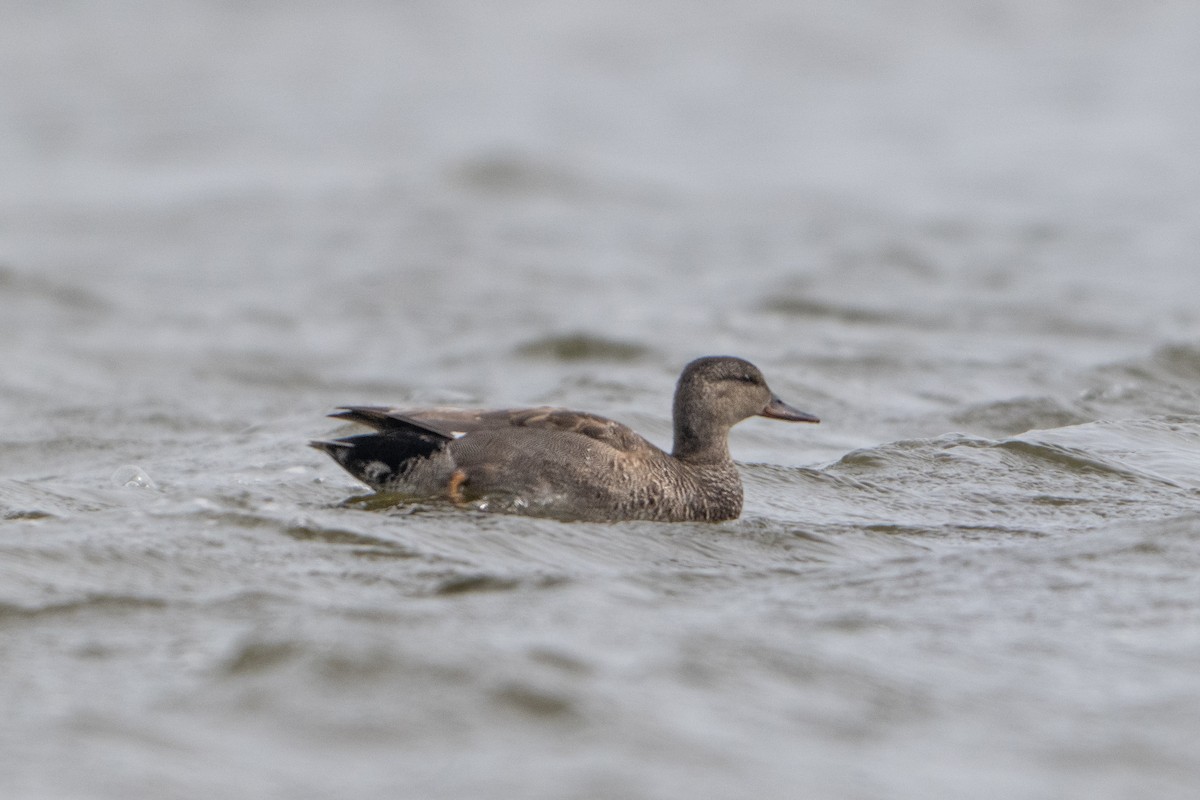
{"x": 571, "y": 465}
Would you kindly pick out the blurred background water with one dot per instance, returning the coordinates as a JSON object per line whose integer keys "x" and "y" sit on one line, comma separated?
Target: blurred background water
{"x": 963, "y": 233}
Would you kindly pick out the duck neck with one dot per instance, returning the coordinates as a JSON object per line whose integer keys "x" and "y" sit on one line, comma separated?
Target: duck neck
{"x": 699, "y": 439}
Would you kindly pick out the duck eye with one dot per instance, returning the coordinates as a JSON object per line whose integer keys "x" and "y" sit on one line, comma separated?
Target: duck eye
{"x": 747, "y": 379}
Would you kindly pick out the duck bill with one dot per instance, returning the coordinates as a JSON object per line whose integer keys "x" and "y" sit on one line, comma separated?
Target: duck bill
{"x": 777, "y": 409}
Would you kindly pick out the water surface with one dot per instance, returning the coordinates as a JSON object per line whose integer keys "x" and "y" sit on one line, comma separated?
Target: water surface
{"x": 962, "y": 234}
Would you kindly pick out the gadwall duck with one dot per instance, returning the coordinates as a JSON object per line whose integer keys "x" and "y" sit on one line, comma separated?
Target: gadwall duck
{"x": 569, "y": 464}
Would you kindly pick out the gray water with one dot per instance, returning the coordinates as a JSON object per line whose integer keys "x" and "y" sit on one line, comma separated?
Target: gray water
{"x": 963, "y": 233}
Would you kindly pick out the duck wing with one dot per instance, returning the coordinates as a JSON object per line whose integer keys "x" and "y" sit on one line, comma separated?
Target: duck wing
{"x": 454, "y": 423}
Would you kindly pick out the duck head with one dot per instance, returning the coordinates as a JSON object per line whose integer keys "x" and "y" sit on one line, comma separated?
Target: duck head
{"x": 715, "y": 393}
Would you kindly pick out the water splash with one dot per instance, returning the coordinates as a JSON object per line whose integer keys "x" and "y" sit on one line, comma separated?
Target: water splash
{"x": 131, "y": 476}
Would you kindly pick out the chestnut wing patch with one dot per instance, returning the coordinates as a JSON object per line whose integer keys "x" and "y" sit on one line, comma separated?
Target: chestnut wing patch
{"x": 603, "y": 430}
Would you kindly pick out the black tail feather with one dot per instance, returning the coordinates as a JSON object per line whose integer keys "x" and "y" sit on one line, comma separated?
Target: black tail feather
{"x": 377, "y": 458}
